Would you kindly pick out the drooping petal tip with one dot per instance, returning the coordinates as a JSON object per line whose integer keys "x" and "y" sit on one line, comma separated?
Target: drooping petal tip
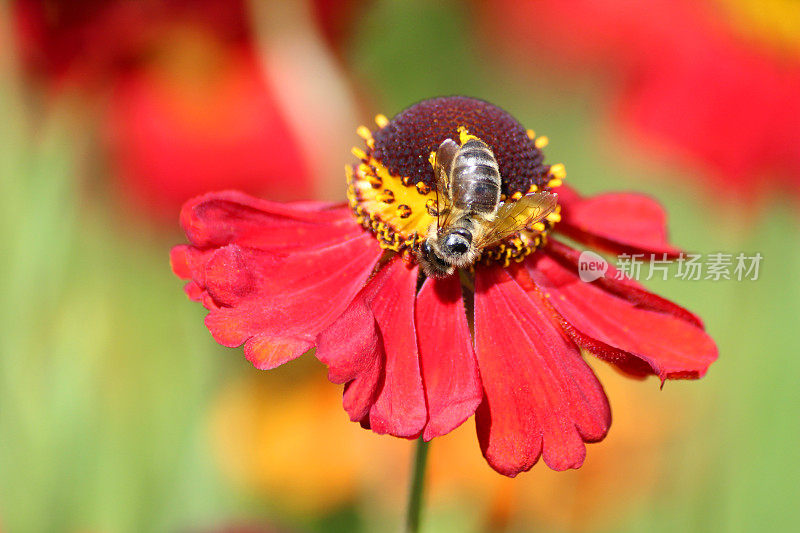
{"x": 449, "y": 369}
{"x": 541, "y": 398}
{"x": 636, "y": 331}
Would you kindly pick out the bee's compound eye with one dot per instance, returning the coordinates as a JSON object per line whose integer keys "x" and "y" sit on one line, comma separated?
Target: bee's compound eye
{"x": 425, "y": 248}
{"x": 455, "y": 244}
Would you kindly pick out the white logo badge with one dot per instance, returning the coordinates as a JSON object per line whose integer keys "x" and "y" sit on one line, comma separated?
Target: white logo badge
{"x": 591, "y": 266}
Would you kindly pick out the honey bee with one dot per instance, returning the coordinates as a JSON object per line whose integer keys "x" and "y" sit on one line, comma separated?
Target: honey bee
{"x": 470, "y": 216}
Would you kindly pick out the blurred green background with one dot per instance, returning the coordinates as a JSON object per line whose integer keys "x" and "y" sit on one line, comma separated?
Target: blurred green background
{"x": 119, "y": 413}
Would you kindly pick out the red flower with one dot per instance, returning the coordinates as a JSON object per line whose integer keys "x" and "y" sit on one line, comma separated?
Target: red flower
{"x": 93, "y": 40}
{"x": 192, "y": 101}
{"x": 201, "y": 118}
{"x": 691, "y": 86}
{"x": 282, "y": 279}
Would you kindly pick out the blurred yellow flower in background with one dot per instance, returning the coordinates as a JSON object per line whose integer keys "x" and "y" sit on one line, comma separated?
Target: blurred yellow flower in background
{"x": 617, "y": 477}
{"x": 776, "y": 22}
{"x": 287, "y": 441}
{"x": 290, "y": 441}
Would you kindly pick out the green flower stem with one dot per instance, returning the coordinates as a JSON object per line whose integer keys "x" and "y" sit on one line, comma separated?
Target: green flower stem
{"x": 415, "y": 495}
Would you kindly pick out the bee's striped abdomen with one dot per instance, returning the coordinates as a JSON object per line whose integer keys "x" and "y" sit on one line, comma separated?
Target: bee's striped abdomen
{"x": 475, "y": 179}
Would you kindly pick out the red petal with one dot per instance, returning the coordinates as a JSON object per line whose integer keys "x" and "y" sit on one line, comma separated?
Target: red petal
{"x": 232, "y": 273}
{"x": 273, "y": 275}
{"x": 400, "y": 406}
{"x": 567, "y": 196}
{"x": 267, "y": 351}
{"x": 372, "y": 347}
{"x": 540, "y": 396}
{"x": 352, "y": 344}
{"x": 352, "y": 349}
{"x": 230, "y": 217}
{"x": 359, "y": 394}
{"x": 268, "y": 300}
{"x": 620, "y": 285}
{"x": 189, "y": 262}
{"x": 619, "y": 223}
{"x": 217, "y": 219}
{"x": 179, "y": 261}
{"x": 194, "y": 291}
{"x": 449, "y": 369}
{"x": 639, "y": 335}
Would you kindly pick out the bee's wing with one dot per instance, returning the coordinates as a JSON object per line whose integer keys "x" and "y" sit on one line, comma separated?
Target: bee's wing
{"x": 516, "y": 216}
{"x": 443, "y": 164}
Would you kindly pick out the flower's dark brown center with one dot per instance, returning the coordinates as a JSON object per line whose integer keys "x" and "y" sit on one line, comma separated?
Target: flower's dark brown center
{"x": 391, "y": 189}
{"x": 404, "y": 144}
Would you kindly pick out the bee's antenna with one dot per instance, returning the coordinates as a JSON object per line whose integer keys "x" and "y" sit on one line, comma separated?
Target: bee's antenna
{"x": 438, "y": 203}
{"x": 432, "y": 160}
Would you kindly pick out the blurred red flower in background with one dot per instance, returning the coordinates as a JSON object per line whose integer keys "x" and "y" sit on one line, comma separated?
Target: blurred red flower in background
{"x": 691, "y": 85}
{"x": 200, "y": 118}
{"x": 90, "y": 41}
{"x": 190, "y": 101}
{"x": 282, "y": 279}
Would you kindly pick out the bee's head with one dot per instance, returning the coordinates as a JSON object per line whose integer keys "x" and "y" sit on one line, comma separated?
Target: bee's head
{"x": 431, "y": 260}
{"x": 456, "y": 242}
